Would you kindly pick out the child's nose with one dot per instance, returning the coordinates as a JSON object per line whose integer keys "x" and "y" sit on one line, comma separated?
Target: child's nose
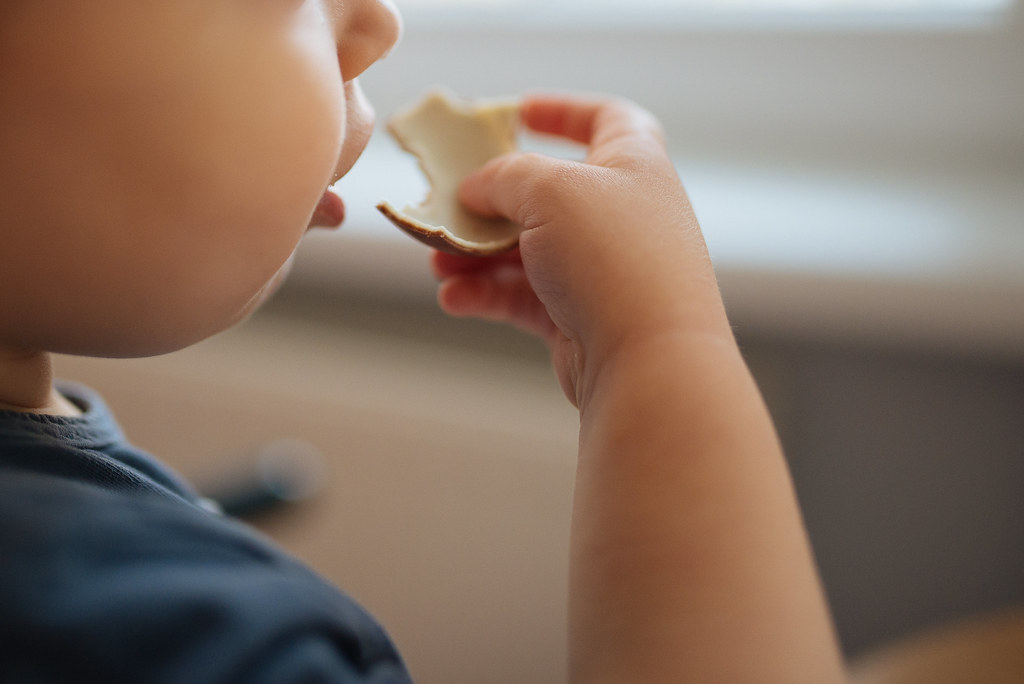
{"x": 366, "y": 31}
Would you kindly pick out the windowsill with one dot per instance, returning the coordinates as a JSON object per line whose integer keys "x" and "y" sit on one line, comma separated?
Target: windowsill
{"x": 906, "y": 256}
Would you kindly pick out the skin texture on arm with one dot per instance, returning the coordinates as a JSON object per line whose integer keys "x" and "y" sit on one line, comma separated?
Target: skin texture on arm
{"x": 689, "y": 560}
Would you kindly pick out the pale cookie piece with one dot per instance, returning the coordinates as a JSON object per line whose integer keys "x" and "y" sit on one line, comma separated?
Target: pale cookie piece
{"x": 452, "y": 138}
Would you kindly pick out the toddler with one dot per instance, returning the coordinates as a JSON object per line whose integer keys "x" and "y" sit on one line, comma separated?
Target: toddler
{"x": 161, "y": 161}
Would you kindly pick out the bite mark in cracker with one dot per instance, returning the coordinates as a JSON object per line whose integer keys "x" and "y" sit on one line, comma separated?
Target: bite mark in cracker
{"x": 452, "y": 138}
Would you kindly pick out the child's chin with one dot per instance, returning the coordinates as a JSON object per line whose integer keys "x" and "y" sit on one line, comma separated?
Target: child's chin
{"x": 268, "y": 290}
{"x": 174, "y": 330}
{"x": 213, "y": 324}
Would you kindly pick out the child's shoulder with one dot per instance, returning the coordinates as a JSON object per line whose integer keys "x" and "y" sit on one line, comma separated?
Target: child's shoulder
{"x": 109, "y": 563}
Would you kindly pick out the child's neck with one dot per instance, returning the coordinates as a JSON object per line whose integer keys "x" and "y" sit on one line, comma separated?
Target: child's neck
{"x": 26, "y": 384}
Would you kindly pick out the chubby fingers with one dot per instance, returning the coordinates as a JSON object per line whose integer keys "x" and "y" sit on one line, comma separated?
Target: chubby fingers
{"x": 494, "y": 288}
{"x": 514, "y": 186}
{"x": 617, "y": 131}
{"x": 446, "y": 264}
{"x": 620, "y": 135}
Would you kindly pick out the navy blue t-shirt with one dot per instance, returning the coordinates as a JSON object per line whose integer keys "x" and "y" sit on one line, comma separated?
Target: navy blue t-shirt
{"x": 112, "y": 571}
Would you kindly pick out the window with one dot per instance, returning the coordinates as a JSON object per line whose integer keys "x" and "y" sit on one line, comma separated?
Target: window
{"x": 861, "y": 136}
{"x": 815, "y": 77}
{"x": 570, "y": 13}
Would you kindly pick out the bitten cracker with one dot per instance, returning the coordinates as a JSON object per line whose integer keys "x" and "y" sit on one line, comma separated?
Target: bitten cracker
{"x": 452, "y": 138}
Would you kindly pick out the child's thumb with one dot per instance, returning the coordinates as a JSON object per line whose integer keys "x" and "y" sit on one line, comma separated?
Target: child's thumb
{"x": 517, "y": 186}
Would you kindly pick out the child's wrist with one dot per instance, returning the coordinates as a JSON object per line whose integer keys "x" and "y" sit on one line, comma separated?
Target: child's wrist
{"x": 669, "y": 354}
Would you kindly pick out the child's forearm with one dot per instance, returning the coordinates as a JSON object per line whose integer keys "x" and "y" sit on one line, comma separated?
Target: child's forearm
{"x": 689, "y": 559}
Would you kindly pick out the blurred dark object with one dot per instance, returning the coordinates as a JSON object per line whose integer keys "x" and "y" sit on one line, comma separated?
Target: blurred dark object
{"x": 279, "y": 474}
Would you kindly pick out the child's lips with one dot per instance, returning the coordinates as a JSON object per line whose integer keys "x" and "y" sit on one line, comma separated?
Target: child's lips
{"x": 329, "y": 212}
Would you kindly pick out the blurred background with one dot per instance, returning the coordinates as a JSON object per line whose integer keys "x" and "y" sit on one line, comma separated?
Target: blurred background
{"x": 858, "y": 169}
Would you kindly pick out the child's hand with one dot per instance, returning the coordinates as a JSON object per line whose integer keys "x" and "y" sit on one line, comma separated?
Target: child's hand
{"x": 612, "y": 252}
{"x": 688, "y": 560}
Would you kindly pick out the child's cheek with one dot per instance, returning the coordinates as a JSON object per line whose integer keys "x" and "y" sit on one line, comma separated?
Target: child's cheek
{"x": 232, "y": 165}
{"x": 257, "y": 186}
{"x": 177, "y": 151}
